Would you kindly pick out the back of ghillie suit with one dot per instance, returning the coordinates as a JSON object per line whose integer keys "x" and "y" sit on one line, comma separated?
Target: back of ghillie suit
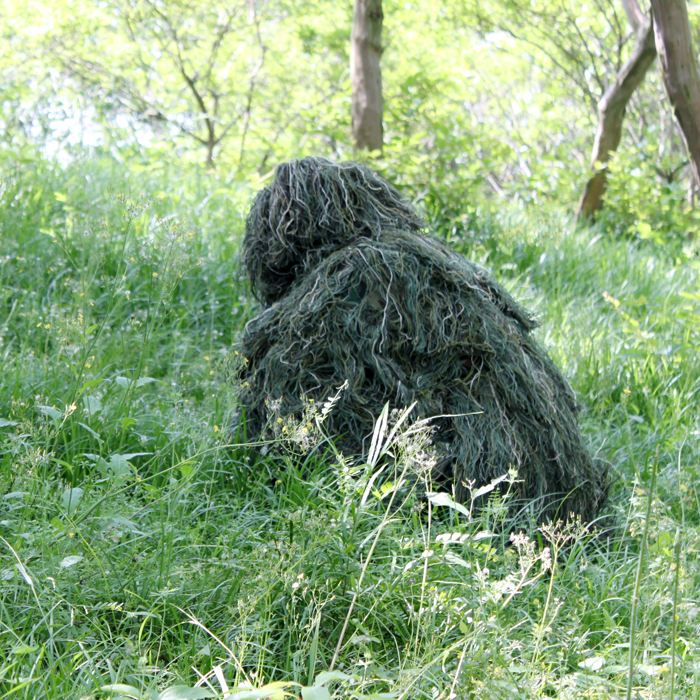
{"x": 351, "y": 291}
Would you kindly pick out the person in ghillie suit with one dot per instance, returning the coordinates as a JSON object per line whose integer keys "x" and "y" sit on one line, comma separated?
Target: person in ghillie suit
{"x": 351, "y": 290}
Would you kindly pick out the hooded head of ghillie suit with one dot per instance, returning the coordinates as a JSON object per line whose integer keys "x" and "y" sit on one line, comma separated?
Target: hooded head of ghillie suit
{"x": 352, "y": 292}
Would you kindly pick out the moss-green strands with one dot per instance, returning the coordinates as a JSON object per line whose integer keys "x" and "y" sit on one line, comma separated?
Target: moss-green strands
{"x": 313, "y": 207}
{"x": 403, "y": 318}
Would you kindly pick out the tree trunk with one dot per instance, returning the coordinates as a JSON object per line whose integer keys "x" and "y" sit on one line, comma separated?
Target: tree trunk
{"x": 611, "y": 108}
{"x": 365, "y": 74}
{"x": 681, "y": 77}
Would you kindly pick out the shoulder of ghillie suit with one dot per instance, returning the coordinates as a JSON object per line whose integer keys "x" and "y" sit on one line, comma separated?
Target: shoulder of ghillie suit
{"x": 312, "y": 207}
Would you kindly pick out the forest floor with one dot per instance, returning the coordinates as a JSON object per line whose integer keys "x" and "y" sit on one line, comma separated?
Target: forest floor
{"x": 142, "y": 555}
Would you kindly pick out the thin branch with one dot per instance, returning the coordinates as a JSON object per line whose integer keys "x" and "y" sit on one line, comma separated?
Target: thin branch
{"x": 252, "y": 83}
{"x": 190, "y": 81}
{"x": 635, "y": 15}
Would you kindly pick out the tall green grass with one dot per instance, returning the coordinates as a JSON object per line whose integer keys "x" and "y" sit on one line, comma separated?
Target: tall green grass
{"x": 140, "y": 552}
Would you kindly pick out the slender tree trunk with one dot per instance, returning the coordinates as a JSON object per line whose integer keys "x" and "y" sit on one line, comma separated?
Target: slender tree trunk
{"x": 680, "y": 69}
{"x": 366, "y": 76}
{"x": 612, "y": 106}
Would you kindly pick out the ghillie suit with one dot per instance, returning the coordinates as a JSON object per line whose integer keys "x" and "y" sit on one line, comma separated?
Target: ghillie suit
{"x": 351, "y": 291}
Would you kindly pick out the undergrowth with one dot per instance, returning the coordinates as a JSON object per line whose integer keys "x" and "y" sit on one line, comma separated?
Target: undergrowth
{"x": 146, "y": 552}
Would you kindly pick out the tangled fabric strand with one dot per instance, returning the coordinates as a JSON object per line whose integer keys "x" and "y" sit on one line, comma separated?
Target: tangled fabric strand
{"x": 353, "y": 292}
{"x": 313, "y": 207}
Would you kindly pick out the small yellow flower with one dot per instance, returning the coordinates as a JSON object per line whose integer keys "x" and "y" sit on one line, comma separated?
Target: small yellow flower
{"x": 155, "y": 274}
{"x": 206, "y": 357}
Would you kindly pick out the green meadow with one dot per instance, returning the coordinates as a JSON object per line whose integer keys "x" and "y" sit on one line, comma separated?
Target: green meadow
{"x": 147, "y": 552}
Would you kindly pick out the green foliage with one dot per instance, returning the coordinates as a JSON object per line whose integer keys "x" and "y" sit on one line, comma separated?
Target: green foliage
{"x": 200, "y": 79}
{"x": 142, "y": 555}
{"x": 647, "y": 201}
{"x": 482, "y": 100}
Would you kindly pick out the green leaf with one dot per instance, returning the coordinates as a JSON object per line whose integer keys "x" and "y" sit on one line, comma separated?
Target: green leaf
{"x": 404, "y": 415}
{"x": 127, "y": 383}
{"x": 51, "y": 412}
{"x": 454, "y": 559}
{"x": 593, "y": 663}
{"x": 489, "y": 487}
{"x": 127, "y": 690}
{"x": 182, "y": 692}
{"x": 91, "y": 431}
{"x": 370, "y": 484}
{"x": 71, "y": 499}
{"x": 4, "y": 423}
{"x": 274, "y": 691}
{"x": 443, "y": 499}
{"x": 25, "y": 574}
{"x": 252, "y": 694}
{"x": 88, "y": 384}
{"x": 118, "y": 466}
{"x": 16, "y": 494}
{"x": 23, "y": 649}
{"x": 378, "y": 436}
{"x": 122, "y": 522}
{"x": 70, "y": 561}
{"x": 316, "y": 693}
{"x": 328, "y": 676}
{"x": 91, "y": 405}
